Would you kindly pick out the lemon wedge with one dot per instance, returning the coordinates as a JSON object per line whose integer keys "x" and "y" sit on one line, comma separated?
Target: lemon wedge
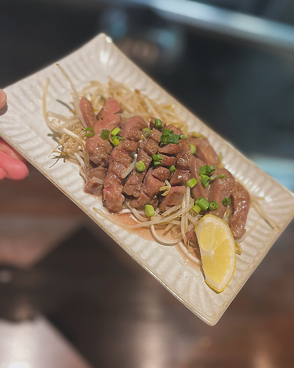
{"x": 218, "y": 251}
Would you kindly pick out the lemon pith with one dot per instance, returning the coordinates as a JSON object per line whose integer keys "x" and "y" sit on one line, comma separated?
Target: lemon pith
{"x": 218, "y": 251}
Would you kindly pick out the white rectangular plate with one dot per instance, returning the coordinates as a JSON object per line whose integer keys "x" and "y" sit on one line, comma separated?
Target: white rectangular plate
{"x": 24, "y": 128}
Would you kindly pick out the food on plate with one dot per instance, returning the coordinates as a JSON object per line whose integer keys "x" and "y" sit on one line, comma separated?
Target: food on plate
{"x": 138, "y": 156}
{"x": 218, "y": 251}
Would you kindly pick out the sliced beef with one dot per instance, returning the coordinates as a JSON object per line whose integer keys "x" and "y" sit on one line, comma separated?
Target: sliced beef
{"x": 173, "y": 198}
{"x": 108, "y": 118}
{"x": 132, "y": 128}
{"x": 204, "y": 151}
{"x": 183, "y": 163}
{"x": 109, "y": 112}
{"x": 87, "y": 111}
{"x": 113, "y": 185}
{"x": 241, "y": 204}
{"x": 170, "y": 149}
{"x": 150, "y": 189}
{"x": 149, "y": 147}
{"x": 180, "y": 177}
{"x": 168, "y": 160}
{"x": 175, "y": 130}
{"x": 161, "y": 173}
{"x": 198, "y": 190}
{"x": 93, "y": 174}
{"x": 220, "y": 189}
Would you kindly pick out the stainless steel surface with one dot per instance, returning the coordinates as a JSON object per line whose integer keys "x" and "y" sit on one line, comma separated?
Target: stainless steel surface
{"x": 221, "y": 21}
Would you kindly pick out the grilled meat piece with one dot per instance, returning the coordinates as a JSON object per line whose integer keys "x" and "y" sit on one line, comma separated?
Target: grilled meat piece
{"x": 168, "y": 160}
{"x": 173, "y": 198}
{"x": 204, "y": 151}
{"x": 220, "y": 189}
{"x": 241, "y": 204}
{"x": 132, "y": 128}
{"x": 170, "y": 149}
{"x": 108, "y": 118}
{"x": 147, "y": 148}
{"x": 93, "y": 173}
{"x": 198, "y": 190}
{"x": 87, "y": 111}
{"x": 161, "y": 173}
{"x": 183, "y": 164}
{"x": 113, "y": 185}
{"x": 150, "y": 189}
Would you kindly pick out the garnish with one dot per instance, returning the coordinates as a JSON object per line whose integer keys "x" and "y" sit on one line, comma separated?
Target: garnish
{"x": 172, "y": 169}
{"x": 191, "y": 183}
{"x": 104, "y": 134}
{"x": 146, "y": 132}
{"x": 158, "y": 124}
{"x": 213, "y": 205}
{"x": 193, "y": 149}
{"x": 115, "y": 131}
{"x": 90, "y": 132}
{"x": 140, "y": 166}
{"x": 149, "y": 210}
{"x": 226, "y": 201}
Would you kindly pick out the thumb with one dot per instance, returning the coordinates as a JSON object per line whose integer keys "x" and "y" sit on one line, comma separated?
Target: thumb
{"x": 3, "y": 98}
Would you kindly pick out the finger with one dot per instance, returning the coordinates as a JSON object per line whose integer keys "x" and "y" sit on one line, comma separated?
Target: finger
{"x": 4, "y": 147}
{"x": 15, "y": 169}
{"x": 3, "y": 98}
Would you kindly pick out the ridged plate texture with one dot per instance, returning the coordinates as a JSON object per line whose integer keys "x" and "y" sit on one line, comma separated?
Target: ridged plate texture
{"x": 23, "y": 126}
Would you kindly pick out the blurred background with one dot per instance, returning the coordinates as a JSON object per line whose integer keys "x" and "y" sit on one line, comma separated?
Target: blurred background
{"x": 69, "y": 296}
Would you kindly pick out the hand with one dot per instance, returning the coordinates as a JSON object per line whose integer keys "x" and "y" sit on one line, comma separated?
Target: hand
{"x": 12, "y": 165}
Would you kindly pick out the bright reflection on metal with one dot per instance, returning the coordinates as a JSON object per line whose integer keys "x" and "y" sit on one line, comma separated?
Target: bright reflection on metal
{"x": 222, "y": 21}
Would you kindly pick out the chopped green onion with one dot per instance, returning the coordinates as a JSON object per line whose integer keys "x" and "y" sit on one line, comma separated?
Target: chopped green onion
{"x": 212, "y": 177}
{"x": 168, "y": 136}
{"x": 90, "y": 132}
{"x": 203, "y": 170}
{"x": 196, "y": 208}
{"x": 202, "y": 203}
{"x": 210, "y": 169}
{"x": 173, "y": 138}
{"x": 223, "y": 176}
{"x": 115, "y": 131}
{"x": 149, "y": 210}
{"x": 146, "y": 132}
{"x": 193, "y": 149}
{"x": 115, "y": 141}
{"x": 156, "y": 163}
{"x": 181, "y": 136}
{"x": 191, "y": 183}
{"x": 204, "y": 180}
{"x": 104, "y": 134}
{"x": 206, "y": 170}
{"x": 158, "y": 124}
{"x": 140, "y": 166}
{"x": 172, "y": 169}
{"x": 157, "y": 157}
{"x": 213, "y": 205}
{"x": 226, "y": 201}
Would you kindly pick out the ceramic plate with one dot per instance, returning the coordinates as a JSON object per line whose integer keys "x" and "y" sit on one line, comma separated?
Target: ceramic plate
{"x": 24, "y": 128}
